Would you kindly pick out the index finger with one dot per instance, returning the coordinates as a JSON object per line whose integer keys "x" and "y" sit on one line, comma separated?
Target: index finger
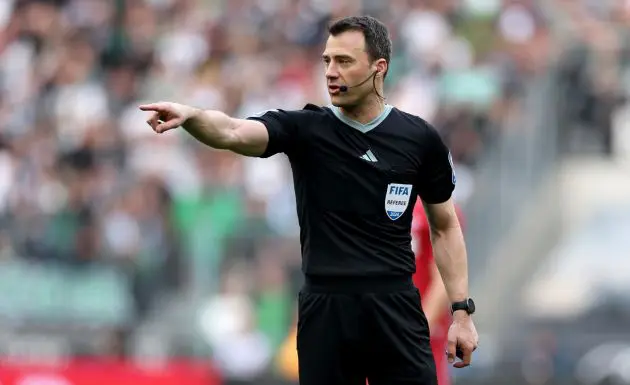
{"x": 160, "y": 107}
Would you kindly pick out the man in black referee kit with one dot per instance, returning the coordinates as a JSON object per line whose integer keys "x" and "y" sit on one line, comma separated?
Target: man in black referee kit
{"x": 358, "y": 167}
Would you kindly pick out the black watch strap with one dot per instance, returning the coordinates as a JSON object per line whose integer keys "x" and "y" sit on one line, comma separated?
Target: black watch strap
{"x": 468, "y": 305}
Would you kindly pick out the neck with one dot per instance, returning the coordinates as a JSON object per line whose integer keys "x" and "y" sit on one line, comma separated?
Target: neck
{"x": 366, "y": 111}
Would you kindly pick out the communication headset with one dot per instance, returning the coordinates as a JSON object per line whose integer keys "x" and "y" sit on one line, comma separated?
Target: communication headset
{"x": 346, "y": 88}
{"x": 372, "y": 76}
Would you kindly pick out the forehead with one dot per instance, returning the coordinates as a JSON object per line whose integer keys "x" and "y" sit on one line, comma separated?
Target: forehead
{"x": 350, "y": 43}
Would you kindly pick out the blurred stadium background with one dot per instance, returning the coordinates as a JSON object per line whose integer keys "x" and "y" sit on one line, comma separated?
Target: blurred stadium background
{"x": 131, "y": 258}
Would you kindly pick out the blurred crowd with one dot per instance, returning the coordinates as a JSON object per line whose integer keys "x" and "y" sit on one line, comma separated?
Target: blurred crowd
{"x": 593, "y": 54}
{"x": 100, "y": 219}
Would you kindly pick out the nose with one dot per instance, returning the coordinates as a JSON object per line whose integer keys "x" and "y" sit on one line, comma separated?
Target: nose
{"x": 331, "y": 72}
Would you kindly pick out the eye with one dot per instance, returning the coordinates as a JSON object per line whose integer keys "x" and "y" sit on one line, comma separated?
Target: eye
{"x": 345, "y": 61}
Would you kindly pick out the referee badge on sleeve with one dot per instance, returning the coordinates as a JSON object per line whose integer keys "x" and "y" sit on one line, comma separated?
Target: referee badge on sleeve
{"x": 397, "y": 199}
{"x": 450, "y": 160}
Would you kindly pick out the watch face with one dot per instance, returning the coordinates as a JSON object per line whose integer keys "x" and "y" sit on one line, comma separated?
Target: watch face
{"x": 471, "y": 306}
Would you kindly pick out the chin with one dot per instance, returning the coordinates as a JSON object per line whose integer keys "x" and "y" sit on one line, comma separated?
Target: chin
{"x": 339, "y": 101}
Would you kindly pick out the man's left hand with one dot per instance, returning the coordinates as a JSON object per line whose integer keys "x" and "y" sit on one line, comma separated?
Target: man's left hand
{"x": 463, "y": 335}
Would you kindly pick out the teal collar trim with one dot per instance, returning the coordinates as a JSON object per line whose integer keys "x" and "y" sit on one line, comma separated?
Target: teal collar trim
{"x": 364, "y": 128}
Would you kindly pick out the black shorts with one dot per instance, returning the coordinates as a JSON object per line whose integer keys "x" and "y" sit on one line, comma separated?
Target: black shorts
{"x": 353, "y": 329}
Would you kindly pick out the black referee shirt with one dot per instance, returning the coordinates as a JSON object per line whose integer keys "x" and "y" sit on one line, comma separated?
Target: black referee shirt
{"x": 356, "y": 185}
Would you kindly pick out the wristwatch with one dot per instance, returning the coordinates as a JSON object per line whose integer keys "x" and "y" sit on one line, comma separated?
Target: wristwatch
{"x": 468, "y": 305}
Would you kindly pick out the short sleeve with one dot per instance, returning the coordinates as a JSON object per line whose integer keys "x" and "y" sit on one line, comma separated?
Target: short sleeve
{"x": 282, "y": 127}
{"x": 437, "y": 177}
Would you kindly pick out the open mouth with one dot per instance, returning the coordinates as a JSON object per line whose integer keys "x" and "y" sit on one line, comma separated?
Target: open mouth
{"x": 333, "y": 89}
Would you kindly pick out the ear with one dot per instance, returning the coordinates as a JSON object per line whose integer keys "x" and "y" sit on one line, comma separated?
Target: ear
{"x": 381, "y": 67}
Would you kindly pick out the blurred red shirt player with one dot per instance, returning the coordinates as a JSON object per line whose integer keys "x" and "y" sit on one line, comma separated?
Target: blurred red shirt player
{"x": 435, "y": 301}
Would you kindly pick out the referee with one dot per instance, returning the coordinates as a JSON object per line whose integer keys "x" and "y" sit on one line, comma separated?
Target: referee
{"x": 358, "y": 167}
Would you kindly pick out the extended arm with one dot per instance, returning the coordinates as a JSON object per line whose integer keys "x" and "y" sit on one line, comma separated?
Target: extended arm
{"x": 213, "y": 128}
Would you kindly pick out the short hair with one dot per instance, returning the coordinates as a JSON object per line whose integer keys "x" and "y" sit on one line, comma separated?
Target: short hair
{"x": 377, "y": 41}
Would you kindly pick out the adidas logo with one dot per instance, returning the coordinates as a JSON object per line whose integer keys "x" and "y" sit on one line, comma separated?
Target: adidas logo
{"x": 368, "y": 156}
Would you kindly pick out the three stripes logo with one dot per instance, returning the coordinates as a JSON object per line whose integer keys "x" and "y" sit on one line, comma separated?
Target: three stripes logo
{"x": 369, "y": 156}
